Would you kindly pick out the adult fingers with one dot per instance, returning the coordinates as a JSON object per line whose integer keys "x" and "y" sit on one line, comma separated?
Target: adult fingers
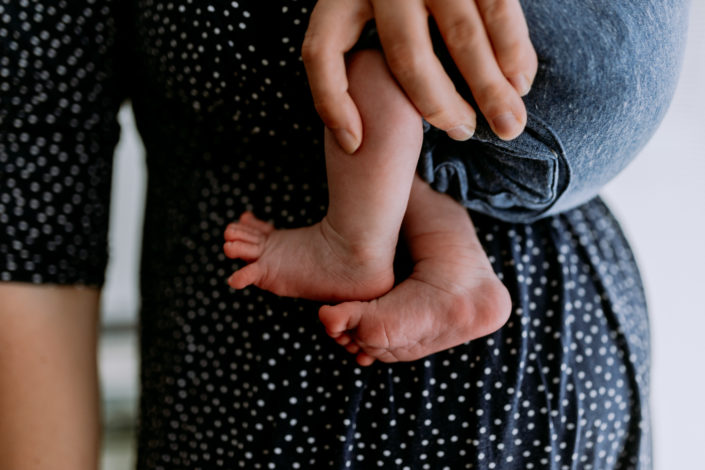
{"x": 506, "y": 26}
{"x": 402, "y": 26}
{"x": 334, "y": 27}
{"x": 464, "y": 33}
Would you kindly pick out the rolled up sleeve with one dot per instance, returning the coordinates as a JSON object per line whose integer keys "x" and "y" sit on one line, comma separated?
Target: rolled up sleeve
{"x": 607, "y": 72}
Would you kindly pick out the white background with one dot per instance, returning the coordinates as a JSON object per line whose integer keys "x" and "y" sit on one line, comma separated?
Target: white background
{"x": 660, "y": 200}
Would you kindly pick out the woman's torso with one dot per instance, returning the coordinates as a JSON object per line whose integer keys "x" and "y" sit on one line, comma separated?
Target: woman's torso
{"x": 246, "y": 379}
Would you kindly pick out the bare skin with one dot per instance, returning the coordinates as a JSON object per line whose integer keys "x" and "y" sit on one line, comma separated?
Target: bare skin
{"x": 49, "y": 400}
{"x": 311, "y": 262}
{"x": 453, "y": 295}
{"x": 349, "y": 254}
{"x": 488, "y": 39}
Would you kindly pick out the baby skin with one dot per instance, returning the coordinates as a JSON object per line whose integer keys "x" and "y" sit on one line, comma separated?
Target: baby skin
{"x": 453, "y": 295}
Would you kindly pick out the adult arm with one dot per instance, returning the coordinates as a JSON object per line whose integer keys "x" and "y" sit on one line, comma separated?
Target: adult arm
{"x": 49, "y": 400}
{"x": 606, "y": 74}
{"x": 488, "y": 40}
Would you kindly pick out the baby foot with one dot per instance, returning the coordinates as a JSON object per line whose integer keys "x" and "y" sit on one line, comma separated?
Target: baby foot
{"x": 452, "y": 296}
{"x": 444, "y": 303}
{"x": 312, "y": 262}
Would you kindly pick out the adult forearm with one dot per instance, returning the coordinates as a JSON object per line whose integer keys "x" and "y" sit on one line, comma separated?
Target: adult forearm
{"x": 49, "y": 399}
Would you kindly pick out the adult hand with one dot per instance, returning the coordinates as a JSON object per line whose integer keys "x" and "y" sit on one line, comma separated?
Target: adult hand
{"x": 488, "y": 40}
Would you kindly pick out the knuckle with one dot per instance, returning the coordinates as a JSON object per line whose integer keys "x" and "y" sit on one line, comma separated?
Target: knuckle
{"x": 311, "y": 49}
{"x": 314, "y": 48}
{"x": 403, "y": 61}
{"x": 493, "y": 97}
{"x": 498, "y": 13}
{"x": 459, "y": 35}
{"x": 509, "y": 34}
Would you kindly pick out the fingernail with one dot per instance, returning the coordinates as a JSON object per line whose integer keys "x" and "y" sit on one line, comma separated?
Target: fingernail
{"x": 506, "y": 124}
{"x": 521, "y": 84}
{"x": 346, "y": 140}
{"x": 461, "y": 132}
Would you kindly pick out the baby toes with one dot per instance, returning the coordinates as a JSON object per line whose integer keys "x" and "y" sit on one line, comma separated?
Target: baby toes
{"x": 340, "y": 318}
{"x": 352, "y": 348}
{"x": 342, "y": 339}
{"x": 364, "y": 359}
{"x": 341, "y": 322}
{"x": 249, "y": 219}
{"x": 243, "y": 249}
{"x": 239, "y": 232}
{"x": 250, "y": 274}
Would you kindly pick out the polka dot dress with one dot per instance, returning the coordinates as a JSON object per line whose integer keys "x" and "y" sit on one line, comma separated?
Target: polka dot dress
{"x": 244, "y": 379}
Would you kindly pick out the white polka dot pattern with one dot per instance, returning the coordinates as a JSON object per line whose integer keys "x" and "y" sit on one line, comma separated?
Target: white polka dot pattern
{"x": 58, "y": 101}
{"x": 248, "y": 380}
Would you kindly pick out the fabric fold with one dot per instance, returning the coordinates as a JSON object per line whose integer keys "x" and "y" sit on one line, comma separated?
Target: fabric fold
{"x": 517, "y": 180}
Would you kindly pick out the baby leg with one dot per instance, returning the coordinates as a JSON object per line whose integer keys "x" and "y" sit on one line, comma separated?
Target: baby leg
{"x": 452, "y": 296}
{"x": 349, "y": 254}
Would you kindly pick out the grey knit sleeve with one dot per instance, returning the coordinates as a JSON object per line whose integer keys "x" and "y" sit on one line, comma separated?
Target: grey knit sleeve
{"x": 607, "y": 72}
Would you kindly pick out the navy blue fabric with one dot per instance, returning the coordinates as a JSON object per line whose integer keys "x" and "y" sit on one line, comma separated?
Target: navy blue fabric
{"x": 515, "y": 180}
{"x": 246, "y": 379}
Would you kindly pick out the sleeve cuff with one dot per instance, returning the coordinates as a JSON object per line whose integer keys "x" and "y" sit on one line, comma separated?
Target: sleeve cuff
{"x": 515, "y": 181}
